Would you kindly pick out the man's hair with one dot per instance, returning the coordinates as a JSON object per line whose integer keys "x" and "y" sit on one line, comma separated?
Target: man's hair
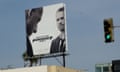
{"x": 61, "y": 9}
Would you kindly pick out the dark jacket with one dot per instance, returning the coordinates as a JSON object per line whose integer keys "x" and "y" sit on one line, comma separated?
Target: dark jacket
{"x": 29, "y": 48}
{"x": 55, "y": 46}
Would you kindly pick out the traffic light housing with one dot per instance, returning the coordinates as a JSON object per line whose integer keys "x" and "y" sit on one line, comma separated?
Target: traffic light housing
{"x": 108, "y": 30}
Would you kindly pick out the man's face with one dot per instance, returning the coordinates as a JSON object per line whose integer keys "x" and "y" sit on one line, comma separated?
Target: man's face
{"x": 32, "y": 22}
{"x": 60, "y": 20}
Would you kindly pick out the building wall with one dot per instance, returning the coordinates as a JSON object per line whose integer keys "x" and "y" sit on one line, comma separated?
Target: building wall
{"x": 27, "y": 69}
{"x": 43, "y": 69}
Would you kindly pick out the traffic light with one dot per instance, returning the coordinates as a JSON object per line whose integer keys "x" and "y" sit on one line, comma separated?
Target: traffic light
{"x": 108, "y": 30}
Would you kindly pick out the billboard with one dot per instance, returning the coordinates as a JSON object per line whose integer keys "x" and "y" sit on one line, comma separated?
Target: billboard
{"x": 46, "y": 30}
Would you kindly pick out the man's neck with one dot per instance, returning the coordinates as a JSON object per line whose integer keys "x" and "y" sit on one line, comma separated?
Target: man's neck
{"x": 62, "y": 35}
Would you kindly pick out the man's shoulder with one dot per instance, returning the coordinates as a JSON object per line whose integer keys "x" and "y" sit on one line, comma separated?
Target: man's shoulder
{"x": 56, "y": 39}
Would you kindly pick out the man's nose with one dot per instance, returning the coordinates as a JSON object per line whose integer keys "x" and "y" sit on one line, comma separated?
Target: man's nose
{"x": 34, "y": 30}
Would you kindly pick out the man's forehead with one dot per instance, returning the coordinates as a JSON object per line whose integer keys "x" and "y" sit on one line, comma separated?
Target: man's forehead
{"x": 60, "y": 13}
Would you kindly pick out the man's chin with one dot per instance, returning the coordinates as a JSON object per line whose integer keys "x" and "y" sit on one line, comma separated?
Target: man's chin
{"x": 62, "y": 30}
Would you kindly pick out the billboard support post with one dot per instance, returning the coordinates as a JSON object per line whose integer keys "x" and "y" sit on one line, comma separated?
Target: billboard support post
{"x": 51, "y": 56}
{"x": 54, "y": 55}
{"x": 64, "y": 60}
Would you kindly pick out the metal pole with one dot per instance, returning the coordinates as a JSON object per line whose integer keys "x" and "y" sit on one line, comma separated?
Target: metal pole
{"x": 116, "y": 26}
{"x": 63, "y": 60}
{"x": 40, "y": 60}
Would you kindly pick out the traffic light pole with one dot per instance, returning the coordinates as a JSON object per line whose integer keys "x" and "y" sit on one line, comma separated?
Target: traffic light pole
{"x": 116, "y": 26}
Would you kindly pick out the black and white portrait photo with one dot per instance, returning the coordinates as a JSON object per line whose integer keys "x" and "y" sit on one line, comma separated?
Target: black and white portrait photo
{"x": 46, "y": 30}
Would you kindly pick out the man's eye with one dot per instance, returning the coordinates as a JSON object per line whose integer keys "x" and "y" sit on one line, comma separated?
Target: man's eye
{"x": 58, "y": 19}
{"x": 62, "y": 17}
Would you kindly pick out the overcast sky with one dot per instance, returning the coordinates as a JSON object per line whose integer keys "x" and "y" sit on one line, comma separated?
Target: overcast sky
{"x": 85, "y": 32}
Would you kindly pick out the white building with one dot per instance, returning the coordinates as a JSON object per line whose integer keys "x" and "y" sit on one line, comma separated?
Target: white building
{"x": 105, "y": 67}
{"x": 42, "y": 69}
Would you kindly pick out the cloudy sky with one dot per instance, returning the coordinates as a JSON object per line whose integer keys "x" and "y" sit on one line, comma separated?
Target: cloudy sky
{"x": 85, "y": 32}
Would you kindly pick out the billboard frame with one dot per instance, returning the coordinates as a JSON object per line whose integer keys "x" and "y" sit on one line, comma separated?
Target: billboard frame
{"x": 64, "y": 54}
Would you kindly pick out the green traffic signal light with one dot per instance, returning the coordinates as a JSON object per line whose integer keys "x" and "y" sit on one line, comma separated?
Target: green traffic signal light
{"x": 108, "y": 36}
